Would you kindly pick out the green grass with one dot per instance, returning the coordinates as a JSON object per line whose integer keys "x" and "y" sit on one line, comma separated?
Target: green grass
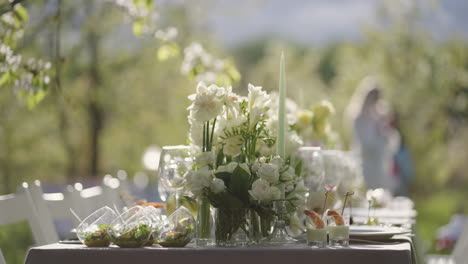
{"x": 434, "y": 212}
{"x": 15, "y": 239}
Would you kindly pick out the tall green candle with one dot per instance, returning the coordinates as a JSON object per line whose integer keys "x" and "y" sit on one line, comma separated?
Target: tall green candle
{"x": 281, "y": 141}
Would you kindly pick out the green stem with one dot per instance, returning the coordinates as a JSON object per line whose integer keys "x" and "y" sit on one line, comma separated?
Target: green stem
{"x": 212, "y": 133}
{"x": 203, "y": 228}
{"x": 204, "y": 139}
{"x": 208, "y": 148}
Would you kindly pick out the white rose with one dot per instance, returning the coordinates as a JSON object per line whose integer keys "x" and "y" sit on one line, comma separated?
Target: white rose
{"x": 288, "y": 186}
{"x": 227, "y": 168}
{"x": 256, "y": 166}
{"x": 217, "y": 185}
{"x": 261, "y": 190}
{"x": 275, "y": 193}
{"x": 278, "y": 161}
{"x": 269, "y": 172}
{"x": 232, "y": 146}
{"x": 288, "y": 175}
{"x": 199, "y": 179}
{"x": 205, "y": 159}
{"x": 245, "y": 167}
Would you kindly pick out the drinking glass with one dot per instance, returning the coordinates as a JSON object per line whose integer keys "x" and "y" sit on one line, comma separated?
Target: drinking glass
{"x": 174, "y": 163}
{"x": 338, "y": 234}
{"x": 316, "y": 236}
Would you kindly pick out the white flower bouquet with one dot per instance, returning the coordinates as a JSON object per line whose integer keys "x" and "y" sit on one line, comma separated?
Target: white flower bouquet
{"x": 236, "y": 170}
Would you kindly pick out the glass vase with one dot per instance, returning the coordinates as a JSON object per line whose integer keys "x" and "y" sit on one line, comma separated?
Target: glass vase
{"x": 204, "y": 223}
{"x": 232, "y": 227}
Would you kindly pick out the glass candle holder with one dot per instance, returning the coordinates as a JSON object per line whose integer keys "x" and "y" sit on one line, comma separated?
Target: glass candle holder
{"x": 338, "y": 230}
{"x": 316, "y": 235}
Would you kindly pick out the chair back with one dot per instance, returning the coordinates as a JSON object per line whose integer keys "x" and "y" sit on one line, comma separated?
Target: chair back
{"x": 2, "y": 259}
{"x": 20, "y": 207}
{"x": 460, "y": 252}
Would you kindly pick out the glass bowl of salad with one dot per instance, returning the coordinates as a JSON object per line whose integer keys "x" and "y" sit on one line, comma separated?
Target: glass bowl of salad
{"x": 93, "y": 230}
{"x": 131, "y": 229}
{"x": 178, "y": 229}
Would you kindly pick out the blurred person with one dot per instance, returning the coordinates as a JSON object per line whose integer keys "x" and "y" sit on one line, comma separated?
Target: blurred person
{"x": 374, "y": 139}
{"x": 403, "y": 172}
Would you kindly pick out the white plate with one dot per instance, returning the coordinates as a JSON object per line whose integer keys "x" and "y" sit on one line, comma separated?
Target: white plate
{"x": 380, "y": 232}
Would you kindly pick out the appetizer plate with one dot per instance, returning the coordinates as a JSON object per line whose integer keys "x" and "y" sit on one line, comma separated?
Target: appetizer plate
{"x": 375, "y": 232}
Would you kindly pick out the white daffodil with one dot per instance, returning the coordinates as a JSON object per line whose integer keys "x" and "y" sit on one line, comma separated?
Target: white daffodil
{"x": 269, "y": 172}
{"x": 257, "y": 98}
{"x": 206, "y": 103}
{"x": 217, "y": 185}
{"x": 232, "y": 145}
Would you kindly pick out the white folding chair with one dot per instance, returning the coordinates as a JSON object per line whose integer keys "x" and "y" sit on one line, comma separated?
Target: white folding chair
{"x": 2, "y": 259}
{"x": 459, "y": 254}
{"x": 59, "y": 205}
{"x": 98, "y": 196}
{"x": 20, "y": 207}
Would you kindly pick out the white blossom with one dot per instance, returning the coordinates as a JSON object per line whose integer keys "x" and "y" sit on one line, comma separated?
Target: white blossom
{"x": 227, "y": 168}
{"x": 205, "y": 159}
{"x": 206, "y": 103}
{"x": 233, "y": 145}
{"x": 263, "y": 192}
{"x": 269, "y": 172}
{"x": 217, "y": 185}
{"x": 198, "y": 180}
{"x": 288, "y": 175}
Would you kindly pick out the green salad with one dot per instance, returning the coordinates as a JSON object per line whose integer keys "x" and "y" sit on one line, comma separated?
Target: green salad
{"x": 97, "y": 238}
{"x": 152, "y": 238}
{"x": 176, "y": 238}
{"x": 135, "y": 237}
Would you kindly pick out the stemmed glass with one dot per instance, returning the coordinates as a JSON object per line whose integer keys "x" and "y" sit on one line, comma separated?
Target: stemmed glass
{"x": 174, "y": 163}
{"x": 312, "y": 167}
{"x": 333, "y": 166}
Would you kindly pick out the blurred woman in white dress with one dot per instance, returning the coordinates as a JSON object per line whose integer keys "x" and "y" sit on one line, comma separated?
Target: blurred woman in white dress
{"x": 374, "y": 140}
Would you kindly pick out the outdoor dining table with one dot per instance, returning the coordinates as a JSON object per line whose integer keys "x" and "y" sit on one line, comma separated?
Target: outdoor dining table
{"x": 397, "y": 252}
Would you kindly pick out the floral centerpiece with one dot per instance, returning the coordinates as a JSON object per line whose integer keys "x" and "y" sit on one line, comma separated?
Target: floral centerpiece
{"x": 236, "y": 169}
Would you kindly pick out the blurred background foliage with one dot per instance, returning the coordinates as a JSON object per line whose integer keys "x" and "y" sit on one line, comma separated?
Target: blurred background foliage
{"x": 116, "y": 98}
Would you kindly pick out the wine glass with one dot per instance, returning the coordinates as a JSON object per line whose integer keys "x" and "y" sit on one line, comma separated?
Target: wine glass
{"x": 174, "y": 163}
{"x": 333, "y": 161}
{"x": 312, "y": 167}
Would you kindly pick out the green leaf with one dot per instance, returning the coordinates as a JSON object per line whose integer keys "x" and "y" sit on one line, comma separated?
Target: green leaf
{"x": 225, "y": 176}
{"x": 167, "y": 51}
{"x": 240, "y": 184}
{"x": 298, "y": 169}
{"x": 5, "y": 79}
{"x": 21, "y": 13}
